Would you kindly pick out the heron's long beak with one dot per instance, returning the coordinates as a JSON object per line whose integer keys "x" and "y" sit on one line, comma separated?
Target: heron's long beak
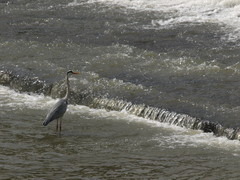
{"x": 76, "y": 72}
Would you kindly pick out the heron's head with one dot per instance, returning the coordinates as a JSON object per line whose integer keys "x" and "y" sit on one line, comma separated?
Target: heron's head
{"x": 72, "y": 72}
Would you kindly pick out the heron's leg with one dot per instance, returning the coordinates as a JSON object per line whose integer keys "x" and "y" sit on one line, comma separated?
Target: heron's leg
{"x": 60, "y": 124}
{"x": 57, "y": 125}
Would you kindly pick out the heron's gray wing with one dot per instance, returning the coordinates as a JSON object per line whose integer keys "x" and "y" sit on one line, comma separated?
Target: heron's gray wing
{"x": 56, "y": 112}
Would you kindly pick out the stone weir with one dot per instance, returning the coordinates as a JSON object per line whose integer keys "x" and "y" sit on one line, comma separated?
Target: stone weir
{"x": 28, "y": 84}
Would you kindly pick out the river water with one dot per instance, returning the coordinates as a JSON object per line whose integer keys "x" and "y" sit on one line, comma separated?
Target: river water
{"x": 182, "y": 56}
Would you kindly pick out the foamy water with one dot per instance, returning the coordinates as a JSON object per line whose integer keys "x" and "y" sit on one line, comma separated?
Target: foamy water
{"x": 175, "y": 136}
{"x": 13, "y": 99}
{"x": 226, "y": 13}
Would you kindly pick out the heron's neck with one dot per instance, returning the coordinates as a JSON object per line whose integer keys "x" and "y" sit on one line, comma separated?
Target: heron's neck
{"x": 68, "y": 88}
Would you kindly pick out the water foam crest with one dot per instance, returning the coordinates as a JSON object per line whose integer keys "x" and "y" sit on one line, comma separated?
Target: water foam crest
{"x": 168, "y": 120}
{"x": 197, "y": 139}
{"x": 165, "y": 116}
{"x": 11, "y": 98}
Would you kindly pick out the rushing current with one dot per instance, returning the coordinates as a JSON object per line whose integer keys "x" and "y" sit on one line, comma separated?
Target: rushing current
{"x": 157, "y": 96}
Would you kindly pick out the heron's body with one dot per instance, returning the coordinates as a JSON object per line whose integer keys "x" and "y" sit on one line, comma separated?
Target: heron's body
{"x": 57, "y": 111}
{"x": 60, "y": 107}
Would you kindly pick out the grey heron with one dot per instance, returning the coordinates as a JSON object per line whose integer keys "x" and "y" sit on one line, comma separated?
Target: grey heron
{"x": 60, "y": 107}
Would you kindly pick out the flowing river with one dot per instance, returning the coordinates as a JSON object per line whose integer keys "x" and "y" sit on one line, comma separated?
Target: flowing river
{"x": 157, "y": 96}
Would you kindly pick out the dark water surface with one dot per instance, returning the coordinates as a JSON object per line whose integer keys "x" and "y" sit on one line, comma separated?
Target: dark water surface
{"x": 182, "y": 56}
